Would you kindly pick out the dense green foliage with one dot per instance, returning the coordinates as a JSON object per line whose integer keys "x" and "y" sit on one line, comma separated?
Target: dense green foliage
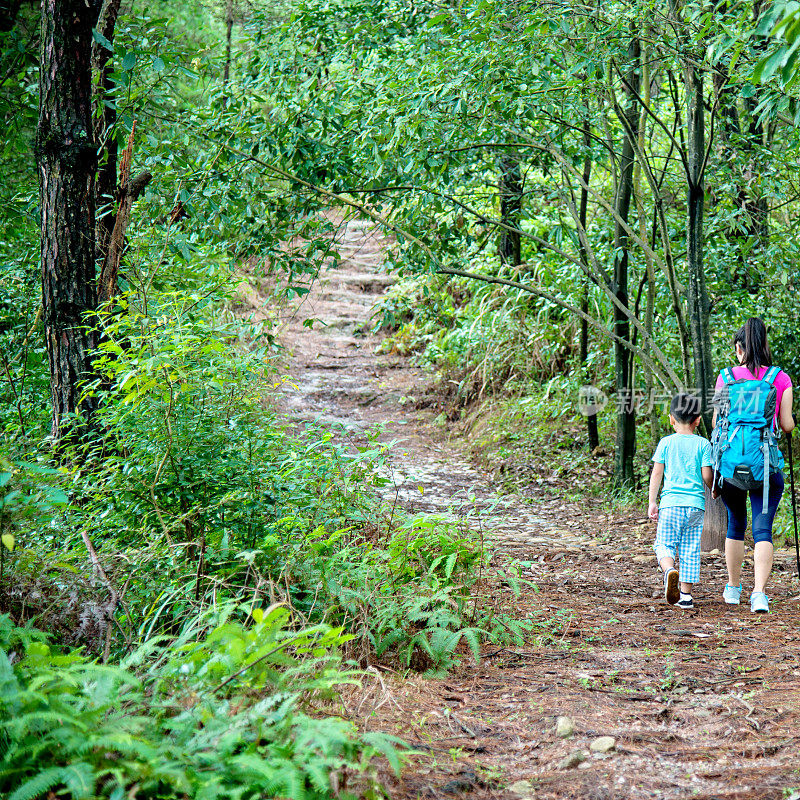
{"x": 440, "y": 99}
{"x": 224, "y": 569}
{"x": 157, "y": 543}
{"x": 222, "y": 712}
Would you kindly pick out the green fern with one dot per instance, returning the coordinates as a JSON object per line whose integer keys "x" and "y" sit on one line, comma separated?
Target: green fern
{"x": 77, "y": 778}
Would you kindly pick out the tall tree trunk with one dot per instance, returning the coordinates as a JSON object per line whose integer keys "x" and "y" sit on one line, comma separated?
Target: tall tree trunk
{"x": 751, "y": 201}
{"x": 755, "y": 205}
{"x": 105, "y": 120}
{"x": 591, "y": 419}
{"x": 650, "y": 275}
{"x": 696, "y": 294}
{"x": 740, "y": 148}
{"x": 509, "y": 245}
{"x": 66, "y": 158}
{"x": 228, "y": 41}
{"x": 626, "y": 412}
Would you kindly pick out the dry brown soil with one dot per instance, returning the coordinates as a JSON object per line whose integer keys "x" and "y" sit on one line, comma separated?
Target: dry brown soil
{"x": 700, "y": 704}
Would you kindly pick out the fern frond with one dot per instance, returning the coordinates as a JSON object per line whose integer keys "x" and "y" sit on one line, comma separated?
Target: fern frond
{"x": 80, "y": 780}
{"x": 122, "y": 743}
{"x": 43, "y": 782}
{"x": 387, "y": 746}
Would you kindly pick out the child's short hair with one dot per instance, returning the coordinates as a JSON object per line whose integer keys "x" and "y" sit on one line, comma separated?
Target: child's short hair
{"x": 685, "y": 408}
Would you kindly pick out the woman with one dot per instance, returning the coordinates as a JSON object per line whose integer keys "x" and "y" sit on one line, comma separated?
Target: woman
{"x": 755, "y": 359}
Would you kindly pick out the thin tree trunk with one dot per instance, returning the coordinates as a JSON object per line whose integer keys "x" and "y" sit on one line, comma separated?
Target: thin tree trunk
{"x": 228, "y": 41}
{"x": 626, "y": 413}
{"x": 741, "y": 152}
{"x": 66, "y": 158}
{"x": 591, "y": 419}
{"x": 751, "y": 201}
{"x": 696, "y": 295}
{"x": 667, "y": 262}
{"x": 105, "y": 120}
{"x": 650, "y": 276}
{"x": 509, "y": 245}
{"x": 754, "y": 204}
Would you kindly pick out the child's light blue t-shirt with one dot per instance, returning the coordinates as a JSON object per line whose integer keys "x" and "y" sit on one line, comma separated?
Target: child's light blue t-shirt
{"x": 683, "y": 455}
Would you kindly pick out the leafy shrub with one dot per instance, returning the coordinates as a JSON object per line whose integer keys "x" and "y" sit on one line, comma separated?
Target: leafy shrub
{"x": 197, "y": 493}
{"x": 479, "y": 337}
{"x": 224, "y": 714}
{"x": 409, "y": 594}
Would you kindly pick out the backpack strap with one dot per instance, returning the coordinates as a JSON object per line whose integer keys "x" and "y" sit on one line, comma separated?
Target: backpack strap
{"x": 771, "y": 374}
{"x": 769, "y": 377}
{"x": 727, "y": 376}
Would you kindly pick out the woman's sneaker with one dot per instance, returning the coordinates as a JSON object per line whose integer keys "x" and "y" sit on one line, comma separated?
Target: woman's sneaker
{"x": 672, "y": 591}
{"x": 686, "y": 601}
{"x": 732, "y": 595}
{"x": 759, "y": 603}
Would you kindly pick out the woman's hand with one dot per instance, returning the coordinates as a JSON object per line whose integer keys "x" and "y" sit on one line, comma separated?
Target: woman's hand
{"x": 652, "y": 511}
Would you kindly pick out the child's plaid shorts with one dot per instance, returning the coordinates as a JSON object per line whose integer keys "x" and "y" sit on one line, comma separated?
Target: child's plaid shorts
{"x": 678, "y": 533}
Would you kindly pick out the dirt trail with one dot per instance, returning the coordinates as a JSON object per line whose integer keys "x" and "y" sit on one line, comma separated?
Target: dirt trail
{"x": 702, "y": 704}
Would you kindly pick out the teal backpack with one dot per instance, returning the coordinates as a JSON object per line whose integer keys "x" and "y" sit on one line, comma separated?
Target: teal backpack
{"x": 744, "y": 444}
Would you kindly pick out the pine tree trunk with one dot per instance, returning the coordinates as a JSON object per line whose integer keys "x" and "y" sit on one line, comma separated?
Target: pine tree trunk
{"x": 66, "y": 158}
{"x": 626, "y": 414}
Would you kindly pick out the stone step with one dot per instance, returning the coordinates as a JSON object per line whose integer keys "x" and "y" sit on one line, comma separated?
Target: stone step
{"x": 374, "y": 282}
{"x": 346, "y": 296}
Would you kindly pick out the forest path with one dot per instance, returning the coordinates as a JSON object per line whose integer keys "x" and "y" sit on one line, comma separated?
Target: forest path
{"x": 702, "y": 704}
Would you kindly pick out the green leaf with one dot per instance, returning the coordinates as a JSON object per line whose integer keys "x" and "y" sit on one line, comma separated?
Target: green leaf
{"x": 158, "y": 64}
{"x": 8, "y": 541}
{"x": 101, "y": 40}
{"x": 387, "y": 747}
{"x": 129, "y": 62}
{"x": 748, "y": 90}
{"x": 439, "y": 18}
{"x": 79, "y": 779}
{"x": 766, "y": 67}
{"x": 451, "y": 562}
{"x": 471, "y": 636}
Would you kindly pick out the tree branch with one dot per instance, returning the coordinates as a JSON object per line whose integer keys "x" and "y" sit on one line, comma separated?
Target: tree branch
{"x": 667, "y": 381}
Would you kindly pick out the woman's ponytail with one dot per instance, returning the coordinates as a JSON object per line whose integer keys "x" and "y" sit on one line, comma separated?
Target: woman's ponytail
{"x": 752, "y": 337}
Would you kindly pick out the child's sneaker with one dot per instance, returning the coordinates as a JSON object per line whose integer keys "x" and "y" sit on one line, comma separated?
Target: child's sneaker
{"x": 732, "y": 595}
{"x": 686, "y": 601}
{"x": 671, "y": 589}
{"x": 759, "y": 603}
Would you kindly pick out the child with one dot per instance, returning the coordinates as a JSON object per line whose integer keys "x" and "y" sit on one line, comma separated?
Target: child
{"x": 684, "y": 461}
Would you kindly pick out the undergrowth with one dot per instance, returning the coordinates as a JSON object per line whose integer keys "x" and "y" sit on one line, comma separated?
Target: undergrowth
{"x": 221, "y": 572}
{"x": 480, "y": 340}
{"x": 225, "y": 710}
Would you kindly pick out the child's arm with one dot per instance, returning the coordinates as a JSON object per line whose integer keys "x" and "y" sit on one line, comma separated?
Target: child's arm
{"x": 708, "y": 477}
{"x": 655, "y": 483}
